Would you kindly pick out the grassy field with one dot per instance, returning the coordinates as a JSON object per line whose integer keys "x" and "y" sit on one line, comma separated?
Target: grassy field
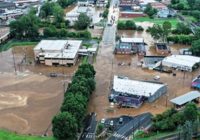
{"x": 6, "y": 135}
{"x": 12, "y": 43}
{"x": 159, "y": 21}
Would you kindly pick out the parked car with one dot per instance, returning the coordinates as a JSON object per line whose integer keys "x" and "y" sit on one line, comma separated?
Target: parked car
{"x": 109, "y": 24}
{"x": 120, "y": 120}
{"x": 103, "y": 121}
{"x": 53, "y": 74}
{"x": 111, "y": 123}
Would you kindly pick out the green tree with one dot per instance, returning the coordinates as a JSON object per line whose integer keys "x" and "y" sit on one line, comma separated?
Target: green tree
{"x": 88, "y": 66}
{"x": 161, "y": 32}
{"x": 84, "y": 34}
{"x": 166, "y": 29}
{"x": 58, "y": 13}
{"x": 76, "y": 104}
{"x": 83, "y": 22}
{"x": 181, "y": 28}
{"x": 156, "y": 32}
{"x": 50, "y": 31}
{"x": 64, "y": 126}
{"x": 130, "y": 25}
{"x": 187, "y": 131}
{"x": 190, "y": 112}
{"x": 105, "y": 13}
{"x": 62, "y": 32}
{"x": 150, "y": 11}
{"x": 65, "y": 3}
{"x": 78, "y": 88}
{"x": 47, "y": 10}
{"x": 121, "y": 25}
{"x": 196, "y": 47}
{"x": 25, "y": 27}
{"x": 180, "y": 6}
{"x": 191, "y": 3}
{"x": 195, "y": 127}
{"x": 174, "y": 1}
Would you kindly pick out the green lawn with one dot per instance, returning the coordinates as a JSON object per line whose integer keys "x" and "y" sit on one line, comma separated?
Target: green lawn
{"x": 12, "y": 43}
{"x": 6, "y": 135}
{"x": 159, "y": 21}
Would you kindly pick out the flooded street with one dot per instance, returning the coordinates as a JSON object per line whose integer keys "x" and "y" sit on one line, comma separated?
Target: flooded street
{"x": 107, "y": 66}
{"x": 29, "y": 98}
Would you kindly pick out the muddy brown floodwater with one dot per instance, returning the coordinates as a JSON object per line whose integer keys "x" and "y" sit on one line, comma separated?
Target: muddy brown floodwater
{"x": 106, "y": 67}
{"x": 29, "y": 98}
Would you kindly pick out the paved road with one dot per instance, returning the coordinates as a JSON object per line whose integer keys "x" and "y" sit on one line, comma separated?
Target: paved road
{"x": 137, "y": 122}
{"x": 90, "y": 128}
{"x": 109, "y": 33}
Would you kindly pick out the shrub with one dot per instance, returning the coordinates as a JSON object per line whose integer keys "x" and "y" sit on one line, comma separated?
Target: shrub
{"x": 140, "y": 28}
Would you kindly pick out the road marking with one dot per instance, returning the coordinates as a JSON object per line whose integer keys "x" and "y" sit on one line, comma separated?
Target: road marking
{"x": 119, "y": 136}
{"x": 90, "y": 135}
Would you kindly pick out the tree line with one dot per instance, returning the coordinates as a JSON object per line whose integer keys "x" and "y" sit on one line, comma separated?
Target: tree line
{"x": 128, "y": 25}
{"x": 51, "y": 20}
{"x": 184, "y": 123}
{"x": 69, "y": 121}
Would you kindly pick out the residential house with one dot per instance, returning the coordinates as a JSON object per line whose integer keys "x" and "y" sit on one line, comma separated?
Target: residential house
{"x": 130, "y": 46}
{"x": 162, "y": 48}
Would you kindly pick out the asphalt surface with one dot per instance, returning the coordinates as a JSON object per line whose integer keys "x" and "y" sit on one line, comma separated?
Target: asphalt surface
{"x": 109, "y": 33}
{"x": 90, "y": 128}
{"x": 129, "y": 127}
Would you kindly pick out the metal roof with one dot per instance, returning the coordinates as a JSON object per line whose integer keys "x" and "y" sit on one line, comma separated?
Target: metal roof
{"x": 185, "y": 98}
{"x": 132, "y": 40}
{"x": 181, "y": 61}
{"x": 135, "y": 87}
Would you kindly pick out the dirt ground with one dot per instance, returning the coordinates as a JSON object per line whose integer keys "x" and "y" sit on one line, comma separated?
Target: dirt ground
{"x": 29, "y": 98}
{"x": 106, "y": 67}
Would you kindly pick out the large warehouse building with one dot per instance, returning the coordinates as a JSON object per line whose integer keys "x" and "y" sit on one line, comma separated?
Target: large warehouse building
{"x": 133, "y": 93}
{"x": 57, "y": 52}
{"x": 182, "y": 62}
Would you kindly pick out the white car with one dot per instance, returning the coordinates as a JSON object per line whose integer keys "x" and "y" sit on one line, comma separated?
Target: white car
{"x": 111, "y": 123}
{"x": 103, "y": 121}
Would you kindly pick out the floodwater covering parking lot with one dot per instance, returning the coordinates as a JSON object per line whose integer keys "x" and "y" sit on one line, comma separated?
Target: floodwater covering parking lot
{"x": 29, "y": 98}
{"x": 107, "y": 66}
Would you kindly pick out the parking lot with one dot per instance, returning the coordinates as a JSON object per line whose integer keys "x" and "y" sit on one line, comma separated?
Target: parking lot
{"x": 29, "y": 97}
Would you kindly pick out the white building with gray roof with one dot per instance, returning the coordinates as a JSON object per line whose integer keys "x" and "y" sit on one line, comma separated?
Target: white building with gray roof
{"x": 57, "y": 52}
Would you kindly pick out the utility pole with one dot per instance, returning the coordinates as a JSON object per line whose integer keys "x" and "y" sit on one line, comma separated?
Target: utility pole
{"x": 14, "y": 61}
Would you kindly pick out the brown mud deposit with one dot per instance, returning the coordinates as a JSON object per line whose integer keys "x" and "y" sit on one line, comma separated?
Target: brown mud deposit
{"x": 106, "y": 67}
{"x": 29, "y": 98}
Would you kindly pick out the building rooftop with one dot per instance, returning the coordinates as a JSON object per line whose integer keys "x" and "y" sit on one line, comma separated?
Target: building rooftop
{"x": 158, "y": 5}
{"x": 185, "y": 98}
{"x": 132, "y": 40}
{"x": 181, "y": 60}
{"x": 59, "y": 48}
{"x": 135, "y": 87}
{"x": 6, "y": 4}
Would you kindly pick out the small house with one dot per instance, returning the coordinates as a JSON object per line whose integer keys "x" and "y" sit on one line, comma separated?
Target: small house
{"x": 130, "y": 46}
{"x": 162, "y": 48}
